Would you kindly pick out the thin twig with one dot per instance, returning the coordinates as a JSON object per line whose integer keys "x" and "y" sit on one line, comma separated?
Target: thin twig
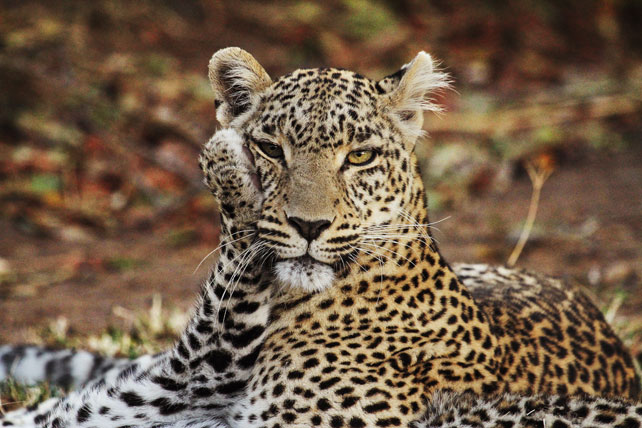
{"x": 538, "y": 176}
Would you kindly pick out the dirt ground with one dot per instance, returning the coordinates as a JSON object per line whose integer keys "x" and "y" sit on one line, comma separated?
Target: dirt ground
{"x": 588, "y": 230}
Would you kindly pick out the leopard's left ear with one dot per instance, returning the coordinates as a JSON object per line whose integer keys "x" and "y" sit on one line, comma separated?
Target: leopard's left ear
{"x": 408, "y": 93}
{"x": 237, "y": 80}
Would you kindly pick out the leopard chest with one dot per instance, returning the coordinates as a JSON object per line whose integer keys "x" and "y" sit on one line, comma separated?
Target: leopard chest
{"x": 346, "y": 359}
{"x": 348, "y": 373}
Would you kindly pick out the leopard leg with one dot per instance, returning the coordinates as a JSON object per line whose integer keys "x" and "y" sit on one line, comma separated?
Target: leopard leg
{"x": 209, "y": 367}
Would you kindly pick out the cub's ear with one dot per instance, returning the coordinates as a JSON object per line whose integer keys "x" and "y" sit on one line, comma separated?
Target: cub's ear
{"x": 237, "y": 79}
{"x": 408, "y": 93}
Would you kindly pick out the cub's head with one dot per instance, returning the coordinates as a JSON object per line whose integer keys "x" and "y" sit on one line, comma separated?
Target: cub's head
{"x": 334, "y": 156}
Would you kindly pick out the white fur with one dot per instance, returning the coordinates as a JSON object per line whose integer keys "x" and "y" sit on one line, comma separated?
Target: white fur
{"x": 419, "y": 81}
{"x": 234, "y": 142}
{"x": 231, "y": 69}
{"x": 312, "y": 277}
{"x": 414, "y": 92}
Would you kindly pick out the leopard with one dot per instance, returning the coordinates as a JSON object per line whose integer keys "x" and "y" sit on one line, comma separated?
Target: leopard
{"x": 372, "y": 319}
{"x": 331, "y": 304}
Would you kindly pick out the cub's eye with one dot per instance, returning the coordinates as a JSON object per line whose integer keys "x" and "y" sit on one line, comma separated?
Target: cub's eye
{"x": 270, "y": 149}
{"x": 361, "y": 157}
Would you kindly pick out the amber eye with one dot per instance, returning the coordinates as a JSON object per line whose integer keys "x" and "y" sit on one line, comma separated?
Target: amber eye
{"x": 361, "y": 157}
{"x": 270, "y": 149}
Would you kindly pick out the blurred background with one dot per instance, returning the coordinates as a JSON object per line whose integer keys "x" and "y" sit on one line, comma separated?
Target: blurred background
{"x": 104, "y": 106}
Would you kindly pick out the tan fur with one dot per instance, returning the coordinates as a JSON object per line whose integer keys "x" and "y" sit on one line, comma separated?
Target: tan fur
{"x": 395, "y": 322}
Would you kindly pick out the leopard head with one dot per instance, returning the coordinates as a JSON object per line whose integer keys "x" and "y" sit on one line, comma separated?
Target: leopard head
{"x": 334, "y": 152}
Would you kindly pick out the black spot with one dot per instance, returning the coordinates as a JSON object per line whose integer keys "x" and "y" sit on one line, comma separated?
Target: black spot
{"x": 604, "y": 418}
{"x": 278, "y": 390}
{"x": 629, "y": 423}
{"x": 202, "y": 392}
{"x": 331, "y": 357}
{"x": 231, "y": 387}
{"x": 302, "y": 317}
{"x": 194, "y": 343}
{"x": 357, "y": 423}
{"x": 182, "y": 350}
{"x": 177, "y": 366}
{"x": 246, "y": 337}
{"x": 336, "y": 422}
{"x": 349, "y": 401}
{"x": 245, "y": 307}
{"x": 131, "y": 399}
{"x": 288, "y": 417}
{"x": 312, "y": 362}
{"x": 166, "y": 407}
{"x": 347, "y": 302}
{"x": 38, "y": 420}
{"x": 295, "y": 374}
{"x": 219, "y": 360}
{"x": 323, "y": 404}
{"x": 168, "y": 384}
{"x": 490, "y": 388}
{"x": 388, "y": 422}
{"x": 248, "y": 361}
{"x": 329, "y": 383}
{"x": 607, "y": 348}
{"x": 83, "y": 413}
{"x": 377, "y": 407}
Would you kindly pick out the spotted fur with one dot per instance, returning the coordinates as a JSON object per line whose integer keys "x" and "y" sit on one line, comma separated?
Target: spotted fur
{"x": 355, "y": 318}
{"x": 468, "y": 410}
{"x": 396, "y": 322}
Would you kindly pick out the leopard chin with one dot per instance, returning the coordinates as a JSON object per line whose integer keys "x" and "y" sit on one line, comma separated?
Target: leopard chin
{"x": 304, "y": 273}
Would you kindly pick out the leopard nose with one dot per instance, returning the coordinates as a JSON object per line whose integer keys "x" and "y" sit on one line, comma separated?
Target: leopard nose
{"x": 310, "y": 230}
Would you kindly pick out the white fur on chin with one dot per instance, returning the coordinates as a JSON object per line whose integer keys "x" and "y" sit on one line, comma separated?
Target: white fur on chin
{"x": 310, "y": 276}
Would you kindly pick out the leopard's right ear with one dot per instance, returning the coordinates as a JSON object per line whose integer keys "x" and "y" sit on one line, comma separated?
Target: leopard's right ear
{"x": 237, "y": 79}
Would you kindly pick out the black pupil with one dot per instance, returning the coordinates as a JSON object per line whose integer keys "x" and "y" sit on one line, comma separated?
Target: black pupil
{"x": 272, "y": 149}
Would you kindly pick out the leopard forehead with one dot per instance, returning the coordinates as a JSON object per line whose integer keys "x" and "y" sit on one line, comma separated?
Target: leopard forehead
{"x": 321, "y": 108}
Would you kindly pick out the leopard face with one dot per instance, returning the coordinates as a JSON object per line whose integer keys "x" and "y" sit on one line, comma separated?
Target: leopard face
{"x": 334, "y": 154}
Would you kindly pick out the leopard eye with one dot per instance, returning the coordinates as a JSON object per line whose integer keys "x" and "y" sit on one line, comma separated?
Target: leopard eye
{"x": 270, "y": 149}
{"x": 361, "y": 157}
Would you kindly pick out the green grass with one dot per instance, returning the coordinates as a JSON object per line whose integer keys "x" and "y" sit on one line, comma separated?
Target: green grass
{"x": 14, "y": 395}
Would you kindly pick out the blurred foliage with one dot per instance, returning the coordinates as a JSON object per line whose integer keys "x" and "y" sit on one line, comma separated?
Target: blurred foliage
{"x": 14, "y": 395}
{"x": 104, "y": 104}
{"x": 138, "y": 333}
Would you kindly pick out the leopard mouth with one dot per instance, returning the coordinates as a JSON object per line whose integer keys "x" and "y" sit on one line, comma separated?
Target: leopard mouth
{"x": 304, "y": 272}
{"x": 308, "y": 260}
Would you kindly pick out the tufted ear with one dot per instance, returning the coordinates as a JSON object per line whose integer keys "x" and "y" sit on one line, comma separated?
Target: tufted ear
{"x": 409, "y": 91}
{"x": 237, "y": 79}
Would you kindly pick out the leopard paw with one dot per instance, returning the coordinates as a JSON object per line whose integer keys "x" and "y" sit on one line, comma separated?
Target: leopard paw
{"x": 228, "y": 167}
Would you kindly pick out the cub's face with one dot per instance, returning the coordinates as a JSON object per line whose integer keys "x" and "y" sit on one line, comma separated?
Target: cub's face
{"x": 333, "y": 153}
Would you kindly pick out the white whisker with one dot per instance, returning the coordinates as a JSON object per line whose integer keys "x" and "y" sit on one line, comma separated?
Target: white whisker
{"x": 223, "y": 245}
{"x": 243, "y": 265}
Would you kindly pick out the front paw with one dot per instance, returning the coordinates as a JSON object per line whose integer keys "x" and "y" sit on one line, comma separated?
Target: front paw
{"x": 228, "y": 167}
